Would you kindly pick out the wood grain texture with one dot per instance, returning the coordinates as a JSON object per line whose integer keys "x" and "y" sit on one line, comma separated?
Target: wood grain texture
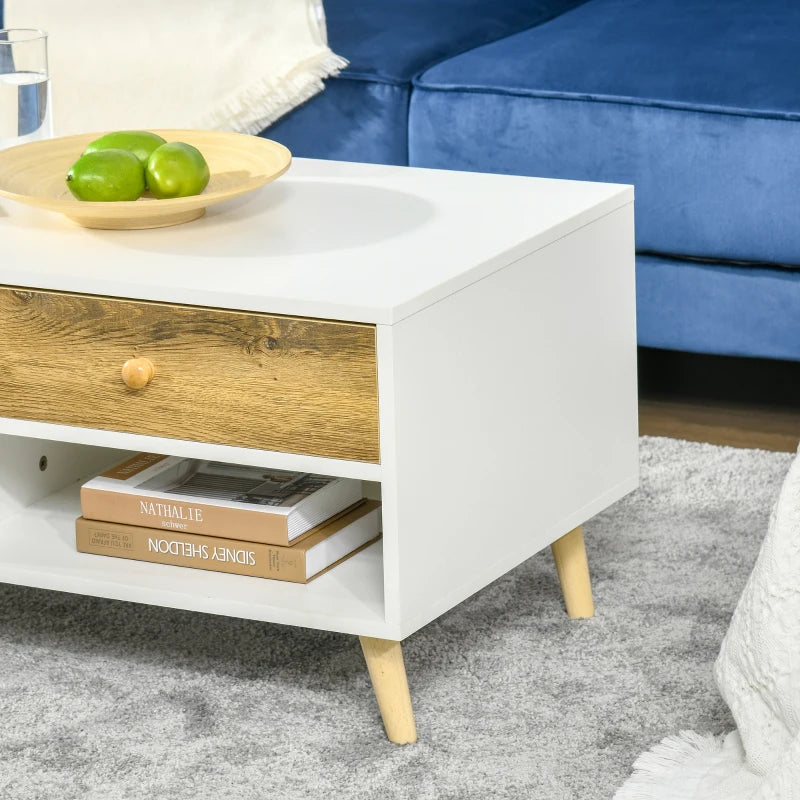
{"x": 250, "y": 380}
{"x": 734, "y": 401}
{"x": 728, "y": 424}
{"x": 569, "y": 553}
{"x": 388, "y": 674}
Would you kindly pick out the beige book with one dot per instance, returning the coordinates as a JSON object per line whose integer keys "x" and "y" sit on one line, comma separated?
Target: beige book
{"x": 331, "y": 544}
{"x": 253, "y": 504}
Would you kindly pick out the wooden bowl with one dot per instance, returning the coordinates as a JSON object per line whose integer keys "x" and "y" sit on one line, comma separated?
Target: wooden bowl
{"x": 35, "y": 174}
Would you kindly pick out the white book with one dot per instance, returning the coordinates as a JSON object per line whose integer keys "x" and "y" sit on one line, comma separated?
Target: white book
{"x": 332, "y": 542}
{"x": 270, "y": 506}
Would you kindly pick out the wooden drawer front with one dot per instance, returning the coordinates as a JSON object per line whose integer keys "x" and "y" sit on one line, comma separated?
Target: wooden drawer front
{"x": 278, "y": 383}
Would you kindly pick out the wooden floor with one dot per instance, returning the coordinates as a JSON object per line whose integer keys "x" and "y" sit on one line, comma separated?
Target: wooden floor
{"x": 728, "y": 401}
{"x": 732, "y": 425}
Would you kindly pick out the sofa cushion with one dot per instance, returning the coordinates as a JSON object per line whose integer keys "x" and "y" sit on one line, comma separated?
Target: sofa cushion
{"x": 725, "y": 309}
{"x": 363, "y": 114}
{"x": 695, "y": 102}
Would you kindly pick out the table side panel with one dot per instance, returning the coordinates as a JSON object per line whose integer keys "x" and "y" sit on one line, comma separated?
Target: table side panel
{"x": 251, "y": 380}
{"x": 515, "y": 416}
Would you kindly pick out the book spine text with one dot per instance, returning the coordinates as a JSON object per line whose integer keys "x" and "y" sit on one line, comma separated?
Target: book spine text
{"x": 184, "y": 517}
{"x": 190, "y": 550}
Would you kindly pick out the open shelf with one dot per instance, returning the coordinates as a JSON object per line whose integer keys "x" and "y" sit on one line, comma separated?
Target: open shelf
{"x": 134, "y": 442}
{"x": 37, "y": 548}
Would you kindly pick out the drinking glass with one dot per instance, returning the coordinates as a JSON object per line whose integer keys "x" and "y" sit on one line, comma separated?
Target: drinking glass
{"x": 25, "y": 108}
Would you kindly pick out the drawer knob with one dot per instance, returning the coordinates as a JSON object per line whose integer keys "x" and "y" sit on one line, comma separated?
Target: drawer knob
{"x": 138, "y": 372}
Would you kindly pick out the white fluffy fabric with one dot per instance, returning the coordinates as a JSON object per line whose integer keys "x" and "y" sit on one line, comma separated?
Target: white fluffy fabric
{"x": 758, "y": 674}
{"x": 234, "y": 65}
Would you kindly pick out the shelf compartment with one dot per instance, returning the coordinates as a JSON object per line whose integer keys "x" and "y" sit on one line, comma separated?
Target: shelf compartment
{"x": 37, "y": 548}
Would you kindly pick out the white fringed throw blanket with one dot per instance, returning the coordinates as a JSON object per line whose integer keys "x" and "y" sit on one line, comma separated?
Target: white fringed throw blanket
{"x": 234, "y": 65}
{"x": 758, "y": 674}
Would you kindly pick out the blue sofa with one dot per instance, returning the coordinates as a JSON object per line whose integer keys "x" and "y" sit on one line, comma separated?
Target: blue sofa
{"x": 694, "y": 102}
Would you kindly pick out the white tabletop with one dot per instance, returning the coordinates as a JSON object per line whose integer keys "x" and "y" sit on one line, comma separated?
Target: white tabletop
{"x": 336, "y": 240}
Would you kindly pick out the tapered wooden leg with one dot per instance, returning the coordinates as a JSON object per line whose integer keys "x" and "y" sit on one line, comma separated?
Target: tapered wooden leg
{"x": 572, "y": 566}
{"x": 388, "y": 673}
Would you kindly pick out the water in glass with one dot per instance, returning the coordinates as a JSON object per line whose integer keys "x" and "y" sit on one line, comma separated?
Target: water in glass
{"x": 25, "y": 104}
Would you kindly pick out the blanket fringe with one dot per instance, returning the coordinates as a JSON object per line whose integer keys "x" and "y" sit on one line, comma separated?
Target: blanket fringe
{"x": 652, "y": 767}
{"x": 263, "y": 102}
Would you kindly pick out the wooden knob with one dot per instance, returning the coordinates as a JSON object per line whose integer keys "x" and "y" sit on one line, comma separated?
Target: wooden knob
{"x": 138, "y": 372}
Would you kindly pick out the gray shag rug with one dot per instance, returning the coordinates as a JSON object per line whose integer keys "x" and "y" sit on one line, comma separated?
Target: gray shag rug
{"x": 105, "y": 700}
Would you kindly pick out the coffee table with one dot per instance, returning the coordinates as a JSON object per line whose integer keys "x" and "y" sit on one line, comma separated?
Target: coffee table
{"x": 464, "y": 344}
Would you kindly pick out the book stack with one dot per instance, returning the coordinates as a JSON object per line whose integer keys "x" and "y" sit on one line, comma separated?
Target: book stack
{"x": 266, "y": 523}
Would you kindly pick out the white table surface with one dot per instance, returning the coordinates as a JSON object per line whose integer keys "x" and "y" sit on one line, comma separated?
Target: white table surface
{"x": 337, "y": 240}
